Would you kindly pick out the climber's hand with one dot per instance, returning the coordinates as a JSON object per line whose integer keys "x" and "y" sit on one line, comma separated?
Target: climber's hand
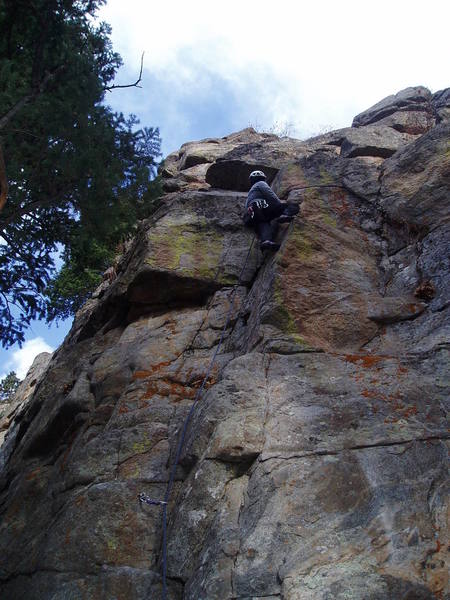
{"x": 248, "y": 217}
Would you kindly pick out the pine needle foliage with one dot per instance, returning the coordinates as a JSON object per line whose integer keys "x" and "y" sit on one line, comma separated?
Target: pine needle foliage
{"x": 79, "y": 175}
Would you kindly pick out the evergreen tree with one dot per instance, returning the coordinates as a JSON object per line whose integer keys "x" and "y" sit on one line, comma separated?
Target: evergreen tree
{"x": 8, "y": 386}
{"x": 79, "y": 175}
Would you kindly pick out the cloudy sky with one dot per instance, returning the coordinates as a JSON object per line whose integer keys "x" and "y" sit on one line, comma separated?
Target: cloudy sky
{"x": 214, "y": 68}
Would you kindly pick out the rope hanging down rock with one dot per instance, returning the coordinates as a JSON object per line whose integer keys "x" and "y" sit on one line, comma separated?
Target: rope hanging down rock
{"x": 164, "y": 503}
{"x": 143, "y": 497}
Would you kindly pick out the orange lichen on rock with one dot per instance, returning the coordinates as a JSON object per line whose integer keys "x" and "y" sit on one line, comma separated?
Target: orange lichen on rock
{"x": 165, "y": 387}
{"x": 412, "y": 410}
{"x": 141, "y": 374}
{"x": 364, "y": 360}
{"x": 80, "y": 500}
{"x": 371, "y": 394}
{"x": 425, "y": 291}
{"x": 144, "y": 374}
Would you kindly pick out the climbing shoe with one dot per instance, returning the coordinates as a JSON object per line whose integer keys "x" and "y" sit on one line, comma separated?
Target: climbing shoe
{"x": 285, "y": 219}
{"x": 268, "y": 245}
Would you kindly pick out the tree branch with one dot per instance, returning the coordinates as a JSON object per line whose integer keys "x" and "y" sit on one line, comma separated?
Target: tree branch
{"x": 7, "y": 308}
{"x": 13, "y": 247}
{"x": 3, "y": 180}
{"x": 109, "y": 88}
{"x": 34, "y": 93}
{"x": 25, "y": 132}
{"x": 27, "y": 209}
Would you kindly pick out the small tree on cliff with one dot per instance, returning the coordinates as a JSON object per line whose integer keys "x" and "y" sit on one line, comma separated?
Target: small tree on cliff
{"x": 77, "y": 174}
{"x": 8, "y": 386}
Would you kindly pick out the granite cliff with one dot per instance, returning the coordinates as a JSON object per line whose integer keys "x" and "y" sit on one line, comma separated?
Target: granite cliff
{"x": 315, "y": 464}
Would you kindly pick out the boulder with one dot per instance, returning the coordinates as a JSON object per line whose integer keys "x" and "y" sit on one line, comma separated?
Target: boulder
{"x": 393, "y": 309}
{"x": 192, "y": 178}
{"x": 186, "y": 168}
{"x": 415, "y": 183}
{"x": 373, "y": 140}
{"x": 410, "y": 99}
{"x": 414, "y": 122}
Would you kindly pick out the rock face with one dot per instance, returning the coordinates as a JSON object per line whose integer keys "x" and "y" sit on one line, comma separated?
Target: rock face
{"x": 23, "y": 393}
{"x": 314, "y": 466}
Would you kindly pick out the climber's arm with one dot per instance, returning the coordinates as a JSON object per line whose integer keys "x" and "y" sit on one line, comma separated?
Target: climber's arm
{"x": 268, "y": 193}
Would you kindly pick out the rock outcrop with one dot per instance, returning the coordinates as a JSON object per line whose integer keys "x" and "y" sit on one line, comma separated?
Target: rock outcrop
{"x": 315, "y": 464}
{"x": 23, "y": 393}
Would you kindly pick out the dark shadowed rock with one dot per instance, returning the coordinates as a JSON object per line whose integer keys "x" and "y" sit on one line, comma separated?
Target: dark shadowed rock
{"x": 232, "y": 170}
{"x": 441, "y": 104}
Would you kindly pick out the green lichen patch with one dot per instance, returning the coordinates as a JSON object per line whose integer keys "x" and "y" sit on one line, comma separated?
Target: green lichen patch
{"x": 325, "y": 177}
{"x": 281, "y": 317}
{"x": 112, "y": 544}
{"x": 189, "y": 248}
{"x": 312, "y": 195}
{"x": 302, "y": 245}
{"x": 319, "y": 206}
{"x": 329, "y": 220}
{"x": 291, "y": 177}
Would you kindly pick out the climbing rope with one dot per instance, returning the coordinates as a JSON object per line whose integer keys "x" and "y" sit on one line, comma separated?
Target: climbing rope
{"x": 163, "y": 503}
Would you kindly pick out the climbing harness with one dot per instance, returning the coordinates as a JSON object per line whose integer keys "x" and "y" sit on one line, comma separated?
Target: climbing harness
{"x": 260, "y": 203}
{"x": 143, "y": 497}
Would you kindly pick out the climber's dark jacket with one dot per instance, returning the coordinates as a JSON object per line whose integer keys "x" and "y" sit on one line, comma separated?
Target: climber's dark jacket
{"x": 261, "y": 191}
{"x": 265, "y": 206}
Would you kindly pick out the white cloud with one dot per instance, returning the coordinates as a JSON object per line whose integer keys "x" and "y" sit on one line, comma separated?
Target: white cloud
{"x": 22, "y": 359}
{"x": 312, "y": 64}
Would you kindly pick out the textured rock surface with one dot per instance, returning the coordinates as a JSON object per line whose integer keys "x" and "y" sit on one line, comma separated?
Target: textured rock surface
{"x": 23, "y": 393}
{"x": 411, "y": 100}
{"x": 315, "y": 464}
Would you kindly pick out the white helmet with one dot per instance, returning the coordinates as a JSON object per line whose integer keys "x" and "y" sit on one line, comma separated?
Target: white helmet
{"x": 255, "y": 174}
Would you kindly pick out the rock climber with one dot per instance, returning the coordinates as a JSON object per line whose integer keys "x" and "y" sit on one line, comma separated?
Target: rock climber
{"x": 263, "y": 208}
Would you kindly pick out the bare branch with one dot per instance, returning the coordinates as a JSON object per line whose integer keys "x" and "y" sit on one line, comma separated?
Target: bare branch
{"x": 109, "y": 88}
{"x": 24, "y": 131}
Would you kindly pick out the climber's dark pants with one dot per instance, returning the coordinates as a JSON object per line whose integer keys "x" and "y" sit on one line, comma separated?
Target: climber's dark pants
{"x": 263, "y": 217}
